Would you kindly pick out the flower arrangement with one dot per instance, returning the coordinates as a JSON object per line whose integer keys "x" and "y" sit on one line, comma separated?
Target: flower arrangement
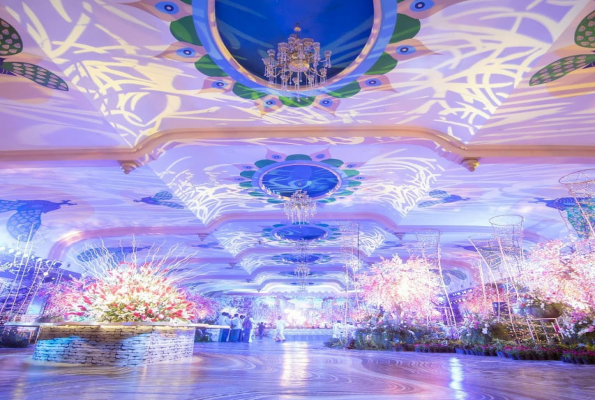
{"x": 563, "y": 272}
{"x": 578, "y": 327}
{"x": 408, "y": 288}
{"x": 127, "y": 293}
{"x": 202, "y": 308}
{"x": 480, "y": 300}
{"x": 130, "y": 293}
{"x": 481, "y": 329}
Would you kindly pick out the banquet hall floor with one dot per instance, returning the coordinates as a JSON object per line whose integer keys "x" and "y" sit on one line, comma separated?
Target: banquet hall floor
{"x": 299, "y": 370}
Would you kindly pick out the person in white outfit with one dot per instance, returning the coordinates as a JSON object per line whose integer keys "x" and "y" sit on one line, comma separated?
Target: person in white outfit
{"x": 338, "y": 330}
{"x": 280, "y": 325}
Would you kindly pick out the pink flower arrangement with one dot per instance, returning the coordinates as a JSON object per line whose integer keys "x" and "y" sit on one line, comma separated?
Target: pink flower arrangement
{"x": 408, "y": 288}
{"x": 128, "y": 293}
{"x": 562, "y": 272}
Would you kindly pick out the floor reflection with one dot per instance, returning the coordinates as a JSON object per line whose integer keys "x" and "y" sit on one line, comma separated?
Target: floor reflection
{"x": 456, "y": 378}
{"x": 266, "y": 370}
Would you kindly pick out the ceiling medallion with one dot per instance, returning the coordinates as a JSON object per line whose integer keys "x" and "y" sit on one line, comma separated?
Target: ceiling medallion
{"x": 300, "y": 208}
{"x": 297, "y": 62}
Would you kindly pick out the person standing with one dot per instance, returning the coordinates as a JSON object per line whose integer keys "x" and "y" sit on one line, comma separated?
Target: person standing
{"x": 242, "y": 319}
{"x": 223, "y": 333}
{"x": 247, "y": 332}
{"x": 261, "y": 330}
{"x": 280, "y": 325}
{"x": 338, "y": 330}
{"x": 236, "y": 328}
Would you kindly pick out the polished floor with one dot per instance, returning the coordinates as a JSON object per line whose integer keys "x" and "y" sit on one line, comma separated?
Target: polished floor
{"x": 299, "y": 370}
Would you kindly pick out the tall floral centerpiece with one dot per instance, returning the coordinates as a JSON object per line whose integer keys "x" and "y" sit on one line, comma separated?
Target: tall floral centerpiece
{"x": 562, "y": 272}
{"x": 127, "y": 293}
{"x": 134, "y": 290}
{"x": 409, "y": 289}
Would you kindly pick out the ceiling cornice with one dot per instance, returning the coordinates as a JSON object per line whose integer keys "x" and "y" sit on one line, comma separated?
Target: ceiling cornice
{"x": 158, "y": 144}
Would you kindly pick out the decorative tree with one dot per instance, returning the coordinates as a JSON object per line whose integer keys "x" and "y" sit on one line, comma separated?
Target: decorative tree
{"x": 563, "y": 272}
{"x": 404, "y": 288}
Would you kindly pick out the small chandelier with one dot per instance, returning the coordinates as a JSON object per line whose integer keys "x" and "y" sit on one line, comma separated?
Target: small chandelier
{"x": 300, "y": 208}
{"x": 302, "y": 271}
{"x": 297, "y": 61}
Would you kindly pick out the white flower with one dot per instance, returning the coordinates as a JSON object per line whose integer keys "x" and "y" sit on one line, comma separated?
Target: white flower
{"x": 484, "y": 331}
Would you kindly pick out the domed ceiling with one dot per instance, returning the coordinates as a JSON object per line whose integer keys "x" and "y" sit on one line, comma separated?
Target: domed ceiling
{"x": 248, "y": 29}
{"x": 147, "y": 123}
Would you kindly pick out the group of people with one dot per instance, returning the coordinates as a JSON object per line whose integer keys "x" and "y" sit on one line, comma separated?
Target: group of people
{"x": 241, "y": 328}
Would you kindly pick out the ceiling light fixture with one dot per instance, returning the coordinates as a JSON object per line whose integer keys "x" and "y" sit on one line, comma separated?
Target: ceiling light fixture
{"x": 300, "y": 208}
{"x": 297, "y": 62}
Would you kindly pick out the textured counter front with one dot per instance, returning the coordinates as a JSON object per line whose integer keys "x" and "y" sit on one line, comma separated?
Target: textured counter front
{"x": 114, "y": 345}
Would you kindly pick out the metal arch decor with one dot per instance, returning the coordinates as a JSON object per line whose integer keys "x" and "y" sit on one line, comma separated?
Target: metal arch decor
{"x": 193, "y": 25}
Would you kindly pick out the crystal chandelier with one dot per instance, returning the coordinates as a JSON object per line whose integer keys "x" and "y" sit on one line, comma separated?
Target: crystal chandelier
{"x": 300, "y": 208}
{"x": 297, "y": 62}
{"x": 302, "y": 271}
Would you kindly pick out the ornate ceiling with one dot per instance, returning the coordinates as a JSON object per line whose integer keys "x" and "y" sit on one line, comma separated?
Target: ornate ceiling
{"x": 172, "y": 93}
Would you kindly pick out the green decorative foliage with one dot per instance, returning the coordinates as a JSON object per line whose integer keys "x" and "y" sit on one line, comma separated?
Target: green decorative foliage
{"x": 294, "y": 102}
{"x": 329, "y": 200}
{"x": 246, "y": 184}
{"x": 256, "y": 194}
{"x": 354, "y": 183}
{"x": 351, "y": 172}
{"x": 37, "y": 74}
{"x": 207, "y": 66}
{"x": 183, "y": 30}
{"x": 334, "y": 162}
{"x": 245, "y": 92}
{"x": 585, "y": 32}
{"x": 10, "y": 40}
{"x": 348, "y": 90}
{"x": 560, "y": 68}
{"x": 247, "y": 174}
{"x": 186, "y": 1}
{"x": 274, "y": 201}
{"x": 264, "y": 163}
{"x": 294, "y": 157}
{"x": 406, "y": 28}
{"x": 383, "y": 65}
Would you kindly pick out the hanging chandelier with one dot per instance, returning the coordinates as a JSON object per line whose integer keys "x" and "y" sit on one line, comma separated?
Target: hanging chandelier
{"x": 300, "y": 208}
{"x": 302, "y": 271}
{"x": 296, "y": 63}
{"x": 302, "y": 251}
